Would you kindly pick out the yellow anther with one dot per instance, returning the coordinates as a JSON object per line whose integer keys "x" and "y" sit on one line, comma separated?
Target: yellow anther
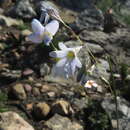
{"x": 70, "y": 55}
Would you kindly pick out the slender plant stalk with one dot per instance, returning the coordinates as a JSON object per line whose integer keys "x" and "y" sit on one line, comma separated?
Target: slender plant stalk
{"x": 115, "y": 94}
{"x": 53, "y": 46}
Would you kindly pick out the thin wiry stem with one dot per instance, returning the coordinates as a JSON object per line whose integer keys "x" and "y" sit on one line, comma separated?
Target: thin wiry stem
{"x": 53, "y": 46}
{"x": 114, "y": 93}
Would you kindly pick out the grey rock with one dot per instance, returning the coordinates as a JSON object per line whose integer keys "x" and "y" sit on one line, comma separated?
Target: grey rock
{"x": 80, "y": 103}
{"x": 44, "y": 69}
{"x": 27, "y": 72}
{"x": 41, "y": 110}
{"x": 22, "y": 9}
{"x": 28, "y": 87}
{"x": 58, "y": 122}
{"x": 108, "y": 105}
{"x": 76, "y": 5}
{"x": 36, "y": 91}
{"x": 101, "y": 69}
{"x": 96, "y": 49}
{"x": 116, "y": 43}
{"x": 18, "y": 91}
{"x": 62, "y": 107}
{"x": 91, "y": 18}
{"x": 95, "y": 36}
{"x": 11, "y": 74}
{"x": 125, "y": 8}
{"x": 12, "y": 121}
{"x": 7, "y": 21}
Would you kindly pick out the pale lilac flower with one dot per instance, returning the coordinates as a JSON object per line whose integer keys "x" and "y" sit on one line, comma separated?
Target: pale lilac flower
{"x": 43, "y": 33}
{"x": 68, "y": 59}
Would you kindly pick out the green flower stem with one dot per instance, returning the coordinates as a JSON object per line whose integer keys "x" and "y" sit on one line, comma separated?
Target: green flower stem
{"x": 53, "y": 46}
{"x": 114, "y": 93}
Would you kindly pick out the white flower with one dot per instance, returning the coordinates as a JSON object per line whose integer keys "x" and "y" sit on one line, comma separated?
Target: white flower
{"x": 90, "y": 84}
{"x": 68, "y": 59}
{"x": 43, "y": 33}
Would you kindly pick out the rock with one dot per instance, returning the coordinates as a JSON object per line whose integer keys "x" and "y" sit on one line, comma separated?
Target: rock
{"x": 36, "y": 91}
{"x": 47, "y": 88}
{"x": 2, "y": 46}
{"x": 27, "y": 72}
{"x": 28, "y": 87}
{"x": 101, "y": 69}
{"x": 38, "y": 85}
{"x": 76, "y": 5}
{"x": 95, "y": 36}
{"x": 58, "y": 122}
{"x": 26, "y": 32}
{"x": 44, "y": 69}
{"x": 5, "y": 3}
{"x": 0, "y": 27}
{"x": 7, "y": 21}
{"x": 22, "y": 9}
{"x": 2, "y": 22}
{"x": 90, "y": 18}
{"x": 11, "y": 74}
{"x": 108, "y": 105}
{"x": 1, "y": 11}
{"x": 12, "y": 121}
{"x": 124, "y": 10}
{"x": 115, "y": 44}
{"x": 29, "y": 106}
{"x": 80, "y": 103}
{"x": 96, "y": 49}
{"x": 68, "y": 16}
{"x": 51, "y": 94}
{"x": 62, "y": 107}
{"x": 41, "y": 110}
{"x": 30, "y": 79}
{"x": 18, "y": 91}
{"x": 3, "y": 66}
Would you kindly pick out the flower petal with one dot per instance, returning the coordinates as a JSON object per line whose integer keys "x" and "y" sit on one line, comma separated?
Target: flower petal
{"x": 73, "y": 66}
{"x": 58, "y": 54}
{"x": 61, "y": 62}
{"x": 34, "y": 37}
{"x": 44, "y": 17}
{"x": 47, "y": 39}
{"x": 62, "y": 46}
{"x": 77, "y": 49}
{"x": 52, "y": 27}
{"x": 37, "y": 26}
{"x": 87, "y": 85}
{"x": 78, "y": 63}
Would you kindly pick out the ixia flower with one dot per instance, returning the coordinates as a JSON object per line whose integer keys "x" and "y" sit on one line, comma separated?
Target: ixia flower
{"x": 68, "y": 59}
{"x": 43, "y": 33}
{"x": 90, "y": 84}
